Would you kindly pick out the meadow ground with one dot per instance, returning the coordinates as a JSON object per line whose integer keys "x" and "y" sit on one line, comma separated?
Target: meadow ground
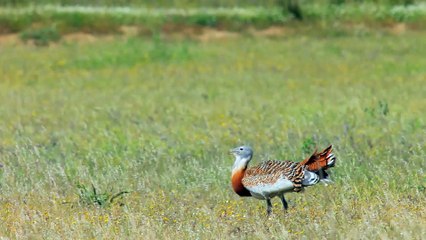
{"x": 83, "y": 122}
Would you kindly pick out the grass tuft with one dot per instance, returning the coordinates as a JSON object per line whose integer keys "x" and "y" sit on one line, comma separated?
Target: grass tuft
{"x": 41, "y": 36}
{"x": 92, "y": 196}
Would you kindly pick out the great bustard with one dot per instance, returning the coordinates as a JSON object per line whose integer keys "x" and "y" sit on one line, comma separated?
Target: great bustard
{"x": 274, "y": 178}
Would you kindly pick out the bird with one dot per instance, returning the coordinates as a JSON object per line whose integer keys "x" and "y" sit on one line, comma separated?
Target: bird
{"x": 273, "y": 178}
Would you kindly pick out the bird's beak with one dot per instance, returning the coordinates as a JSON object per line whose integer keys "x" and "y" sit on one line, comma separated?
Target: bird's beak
{"x": 232, "y": 151}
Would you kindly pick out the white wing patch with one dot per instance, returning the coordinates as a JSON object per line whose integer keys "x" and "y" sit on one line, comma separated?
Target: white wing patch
{"x": 310, "y": 178}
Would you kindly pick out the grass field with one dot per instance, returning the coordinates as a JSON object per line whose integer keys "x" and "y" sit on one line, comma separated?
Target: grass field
{"x": 148, "y": 125}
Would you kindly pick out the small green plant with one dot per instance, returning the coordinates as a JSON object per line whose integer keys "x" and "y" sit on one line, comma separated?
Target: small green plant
{"x": 381, "y": 109}
{"x": 41, "y": 36}
{"x": 308, "y": 145}
{"x": 92, "y": 196}
{"x": 204, "y": 20}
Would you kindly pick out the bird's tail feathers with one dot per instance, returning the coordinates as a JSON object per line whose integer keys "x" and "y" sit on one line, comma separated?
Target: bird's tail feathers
{"x": 320, "y": 160}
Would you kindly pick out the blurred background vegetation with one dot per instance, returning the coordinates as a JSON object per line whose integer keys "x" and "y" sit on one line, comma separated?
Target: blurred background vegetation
{"x": 199, "y": 3}
{"x": 67, "y": 16}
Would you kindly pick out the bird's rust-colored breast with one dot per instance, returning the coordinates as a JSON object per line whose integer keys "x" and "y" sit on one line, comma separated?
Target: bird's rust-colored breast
{"x": 237, "y": 184}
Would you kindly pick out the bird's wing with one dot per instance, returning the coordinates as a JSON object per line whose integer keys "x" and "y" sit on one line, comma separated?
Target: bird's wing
{"x": 275, "y": 175}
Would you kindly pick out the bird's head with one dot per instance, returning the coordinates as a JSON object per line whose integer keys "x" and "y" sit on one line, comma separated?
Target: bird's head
{"x": 243, "y": 152}
{"x": 243, "y": 155}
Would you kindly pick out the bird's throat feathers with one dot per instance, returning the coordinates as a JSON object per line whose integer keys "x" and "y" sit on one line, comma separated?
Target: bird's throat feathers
{"x": 240, "y": 164}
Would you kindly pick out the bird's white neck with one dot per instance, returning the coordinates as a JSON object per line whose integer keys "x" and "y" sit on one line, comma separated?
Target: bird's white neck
{"x": 240, "y": 163}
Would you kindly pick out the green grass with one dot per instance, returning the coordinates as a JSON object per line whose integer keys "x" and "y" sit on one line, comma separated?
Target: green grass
{"x": 157, "y": 118}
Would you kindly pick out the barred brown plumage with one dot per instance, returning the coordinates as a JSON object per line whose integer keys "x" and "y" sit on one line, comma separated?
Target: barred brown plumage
{"x": 271, "y": 171}
{"x": 274, "y": 178}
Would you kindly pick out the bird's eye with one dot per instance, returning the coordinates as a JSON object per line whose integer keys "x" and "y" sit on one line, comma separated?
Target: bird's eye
{"x": 241, "y": 149}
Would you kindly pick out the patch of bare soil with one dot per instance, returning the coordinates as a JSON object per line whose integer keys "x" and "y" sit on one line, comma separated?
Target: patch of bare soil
{"x": 203, "y": 34}
{"x": 9, "y": 39}
{"x": 398, "y": 28}
{"x": 209, "y": 34}
{"x": 79, "y": 37}
{"x": 268, "y": 32}
{"x": 130, "y": 31}
{"x": 86, "y": 37}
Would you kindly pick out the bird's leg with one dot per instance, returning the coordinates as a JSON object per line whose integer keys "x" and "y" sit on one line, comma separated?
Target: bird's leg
{"x": 285, "y": 204}
{"x": 268, "y": 206}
